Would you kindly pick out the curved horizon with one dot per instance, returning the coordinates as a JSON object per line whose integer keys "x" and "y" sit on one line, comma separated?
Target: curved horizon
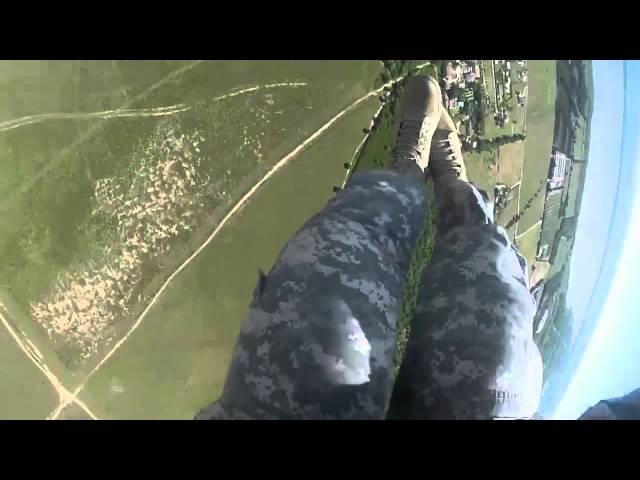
{"x": 582, "y": 387}
{"x": 616, "y": 200}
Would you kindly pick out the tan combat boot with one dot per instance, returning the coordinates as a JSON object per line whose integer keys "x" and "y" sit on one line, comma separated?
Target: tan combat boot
{"x": 420, "y": 111}
{"x": 446, "y": 150}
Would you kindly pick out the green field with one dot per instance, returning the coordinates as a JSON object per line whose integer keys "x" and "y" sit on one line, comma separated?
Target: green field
{"x": 25, "y": 392}
{"x": 116, "y": 171}
{"x": 30, "y": 330}
{"x": 506, "y": 215}
{"x": 528, "y": 244}
{"x": 551, "y": 219}
{"x": 481, "y": 168}
{"x": 491, "y": 130}
{"x": 580, "y": 139}
{"x": 376, "y": 151}
{"x": 576, "y": 181}
{"x": 510, "y": 158}
{"x": 81, "y": 216}
{"x": 176, "y": 362}
{"x": 561, "y": 257}
{"x": 539, "y": 131}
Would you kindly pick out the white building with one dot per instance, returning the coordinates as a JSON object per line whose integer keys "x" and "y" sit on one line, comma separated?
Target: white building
{"x": 561, "y": 164}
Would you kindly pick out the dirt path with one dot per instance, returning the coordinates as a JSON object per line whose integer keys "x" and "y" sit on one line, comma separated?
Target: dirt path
{"x": 233, "y": 93}
{"x": 35, "y": 356}
{"x": 528, "y": 229}
{"x": 25, "y": 344}
{"x": 128, "y": 112}
{"x": 92, "y": 130}
{"x": 106, "y": 114}
{"x": 226, "y": 218}
{"x": 119, "y": 113}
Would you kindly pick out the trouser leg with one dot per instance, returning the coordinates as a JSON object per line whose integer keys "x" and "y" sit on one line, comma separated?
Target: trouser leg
{"x": 471, "y": 352}
{"x": 319, "y": 338}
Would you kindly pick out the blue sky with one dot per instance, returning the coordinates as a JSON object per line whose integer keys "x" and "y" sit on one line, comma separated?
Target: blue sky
{"x": 610, "y": 364}
{"x": 600, "y": 183}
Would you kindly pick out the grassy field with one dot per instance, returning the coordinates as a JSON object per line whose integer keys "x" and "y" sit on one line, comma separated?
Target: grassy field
{"x": 537, "y": 145}
{"x": 176, "y": 362}
{"x": 562, "y": 256}
{"x": 510, "y": 158}
{"x": 95, "y": 207}
{"x": 491, "y": 130}
{"x": 576, "y": 182}
{"x": 528, "y": 243}
{"x": 551, "y": 219}
{"x": 517, "y": 121}
{"x": 25, "y": 393}
{"x": 376, "y": 152}
{"x": 580, "y": 139}
{"x": 65, "y": 240}
{"x": 481, "y": 169}
{"x": 505, "y": 216}
{"x": 22, "y": 320}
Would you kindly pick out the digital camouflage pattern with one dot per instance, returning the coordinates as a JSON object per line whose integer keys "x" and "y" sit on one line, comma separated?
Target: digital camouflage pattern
{"x": 319, "y": 338}
{"x": 471, "y": 353}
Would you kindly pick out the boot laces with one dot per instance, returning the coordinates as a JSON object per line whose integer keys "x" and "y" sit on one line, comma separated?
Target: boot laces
{"x": 410, "y": 140}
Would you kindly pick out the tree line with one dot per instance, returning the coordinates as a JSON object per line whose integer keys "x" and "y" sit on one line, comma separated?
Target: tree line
{"x": 485, "y": 144}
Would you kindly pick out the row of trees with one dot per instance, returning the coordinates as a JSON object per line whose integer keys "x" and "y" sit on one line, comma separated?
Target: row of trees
{"x": 397, "y": 68}
{"x": 526, "y": 207}
{"x": 479, "y": 95}
{"x": 486, "y": 144}
{"x": 386, "y": 120}
{"x": 394, "y": 69}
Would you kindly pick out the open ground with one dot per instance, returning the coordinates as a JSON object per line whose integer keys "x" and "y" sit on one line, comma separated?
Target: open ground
{"x": 185, "y": 148}
{"x": 61, "y": 209}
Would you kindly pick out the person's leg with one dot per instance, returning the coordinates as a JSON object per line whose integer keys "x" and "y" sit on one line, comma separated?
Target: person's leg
{"x": 319, "y": 338}
{"x": 471, "y": 352}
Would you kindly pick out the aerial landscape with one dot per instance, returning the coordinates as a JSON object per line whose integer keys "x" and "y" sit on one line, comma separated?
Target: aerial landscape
{"x": 140, "y": 199}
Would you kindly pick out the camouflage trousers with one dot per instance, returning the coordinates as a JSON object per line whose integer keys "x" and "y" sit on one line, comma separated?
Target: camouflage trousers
{"x": 319, "y": 338}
